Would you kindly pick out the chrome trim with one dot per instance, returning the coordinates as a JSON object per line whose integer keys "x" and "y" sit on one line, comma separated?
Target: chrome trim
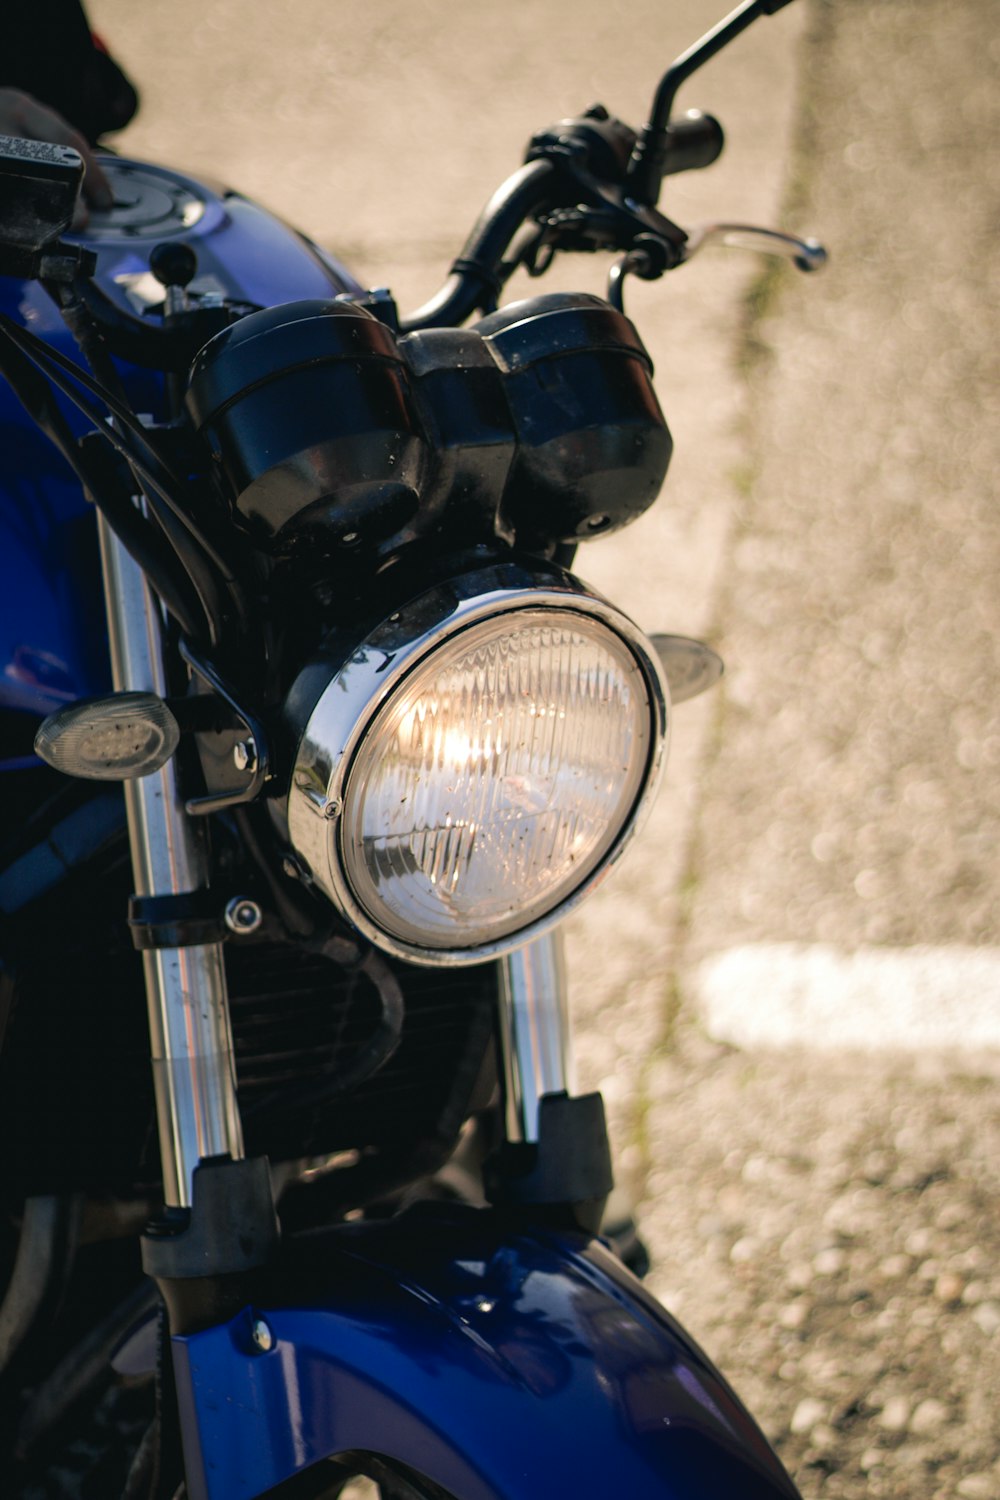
{"x": 194, "y": 1072}
{"x": 243, "y": 915}
{"x": 536, "y": 1042}
{"x": 806, "y": 255}
{"x": 373, "y": 672}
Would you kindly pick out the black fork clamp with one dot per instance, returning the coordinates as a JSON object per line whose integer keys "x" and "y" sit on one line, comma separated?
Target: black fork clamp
{"x": 186, "y": 920}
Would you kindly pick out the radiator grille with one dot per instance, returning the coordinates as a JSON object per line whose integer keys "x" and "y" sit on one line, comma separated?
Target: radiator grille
{"x": 76, "y": 1102}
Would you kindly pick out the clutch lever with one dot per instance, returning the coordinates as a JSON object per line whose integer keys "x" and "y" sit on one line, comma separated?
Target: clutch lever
{"x": 805, "y": 255}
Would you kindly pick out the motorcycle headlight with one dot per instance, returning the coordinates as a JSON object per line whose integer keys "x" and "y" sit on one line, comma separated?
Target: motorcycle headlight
{"x": 477, "y": 764}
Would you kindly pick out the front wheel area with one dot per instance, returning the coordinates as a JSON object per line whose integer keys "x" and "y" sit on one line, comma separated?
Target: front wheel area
{"x": 500, "y": 1360}
{"x": 446, "y": 1352}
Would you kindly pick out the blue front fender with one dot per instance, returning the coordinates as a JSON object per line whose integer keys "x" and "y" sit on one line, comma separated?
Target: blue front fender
{"x": 500, "y": 1364}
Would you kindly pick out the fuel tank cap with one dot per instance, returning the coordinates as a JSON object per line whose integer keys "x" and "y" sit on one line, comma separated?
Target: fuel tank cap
{"x": 150, "y": 203}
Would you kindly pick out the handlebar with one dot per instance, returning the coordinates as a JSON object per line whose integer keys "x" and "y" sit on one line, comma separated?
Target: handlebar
{"x": 589, "y": 183}
{"x": 692, "y": 143}
{"x": 477, "y": 270}
{"x": 574, "y": 183}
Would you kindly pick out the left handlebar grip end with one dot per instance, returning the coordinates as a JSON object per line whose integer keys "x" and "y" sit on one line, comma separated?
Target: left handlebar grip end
{"x": 682, "y": 146}
{"x": 691, "y": 143}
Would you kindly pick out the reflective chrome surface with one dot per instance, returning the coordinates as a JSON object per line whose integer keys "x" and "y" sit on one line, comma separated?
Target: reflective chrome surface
{"x": 243, "y": 915}
{"x": 376, "y": 668}
{"x": 191, "y": 1042}
{"x": 535, "y": 1037}
{"x": 806, "y": 255}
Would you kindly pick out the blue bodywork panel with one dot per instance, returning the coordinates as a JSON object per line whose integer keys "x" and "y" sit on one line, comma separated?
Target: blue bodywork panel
{"x": 501, "y": 1365}
{"x": 52, "y": 633}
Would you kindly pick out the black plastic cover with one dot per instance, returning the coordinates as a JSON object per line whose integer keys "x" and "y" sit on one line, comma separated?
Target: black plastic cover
{"x": 539, "y": 425}
{"x": 568, "y": 1168}
{"x": 592, "y": 443}
{"x": 308, "y": 412}
{"x": 462, "y": 402}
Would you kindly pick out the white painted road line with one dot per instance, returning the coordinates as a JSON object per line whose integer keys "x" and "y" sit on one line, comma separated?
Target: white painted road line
{"x": 793, "y": 995}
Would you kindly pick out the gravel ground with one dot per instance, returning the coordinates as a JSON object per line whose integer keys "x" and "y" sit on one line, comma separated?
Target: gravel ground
{"x": 828, "y": 1229}
{"x": 827, "y": 1221}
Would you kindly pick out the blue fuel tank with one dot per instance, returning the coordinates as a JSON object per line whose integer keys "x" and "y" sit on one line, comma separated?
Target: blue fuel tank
{"x": 53, "y": 644}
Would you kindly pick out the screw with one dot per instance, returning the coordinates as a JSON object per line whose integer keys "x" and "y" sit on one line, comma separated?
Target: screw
{"x": 245, "y": 755}
{"x": 243, "y": 915}
{"x": 333, "y": 808}
{"x": 262, "y": 1336}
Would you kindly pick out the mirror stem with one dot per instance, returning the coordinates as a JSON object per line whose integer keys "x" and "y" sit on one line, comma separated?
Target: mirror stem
{"x": 645, "y": 170}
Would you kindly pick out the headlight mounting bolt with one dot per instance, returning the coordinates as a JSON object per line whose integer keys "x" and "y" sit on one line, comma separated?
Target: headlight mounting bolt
{"x": 333, "y": 808}
{"x": 243, "y": 916}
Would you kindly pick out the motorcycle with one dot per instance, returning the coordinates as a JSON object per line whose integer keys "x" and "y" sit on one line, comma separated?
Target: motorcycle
{"x": 349, "y": 742}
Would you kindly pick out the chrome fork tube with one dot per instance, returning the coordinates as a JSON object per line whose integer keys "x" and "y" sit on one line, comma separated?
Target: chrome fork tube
{"x": 192, "y": 1050}
{"x": 535, "y": 1038}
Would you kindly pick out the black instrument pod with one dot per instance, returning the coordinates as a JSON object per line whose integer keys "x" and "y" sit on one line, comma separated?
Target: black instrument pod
{"x": 307, "y": 410}
{"x": 592, "y": 443}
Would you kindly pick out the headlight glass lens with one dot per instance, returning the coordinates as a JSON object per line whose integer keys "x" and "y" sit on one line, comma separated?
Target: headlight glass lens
{"x": 496, "y": 778}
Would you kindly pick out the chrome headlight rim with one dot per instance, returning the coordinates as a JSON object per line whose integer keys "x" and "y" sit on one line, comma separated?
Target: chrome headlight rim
{"x": 376, "y": 670}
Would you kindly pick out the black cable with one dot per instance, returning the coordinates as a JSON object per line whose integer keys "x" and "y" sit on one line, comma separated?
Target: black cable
{"x": 154, "y": 470}
{"x": 150, "y": 468}
{"x": 143, "y": 544}
{"x": 89, "y": 329}
{"x": 137, "y": 535}
{"x": 147, "y": 461}
{"x": 208, "y": 606}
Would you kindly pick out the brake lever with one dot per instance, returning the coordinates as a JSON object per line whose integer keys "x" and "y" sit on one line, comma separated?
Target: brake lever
{"x": 805, "y": 255}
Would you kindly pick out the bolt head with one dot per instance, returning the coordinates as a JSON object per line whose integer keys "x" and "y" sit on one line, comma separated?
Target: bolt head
{"x": 243, "y": 915}
{"x": 245, "y": 755}
{"x": 262, "y": 1336}
{"x": 333, "y": 808}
